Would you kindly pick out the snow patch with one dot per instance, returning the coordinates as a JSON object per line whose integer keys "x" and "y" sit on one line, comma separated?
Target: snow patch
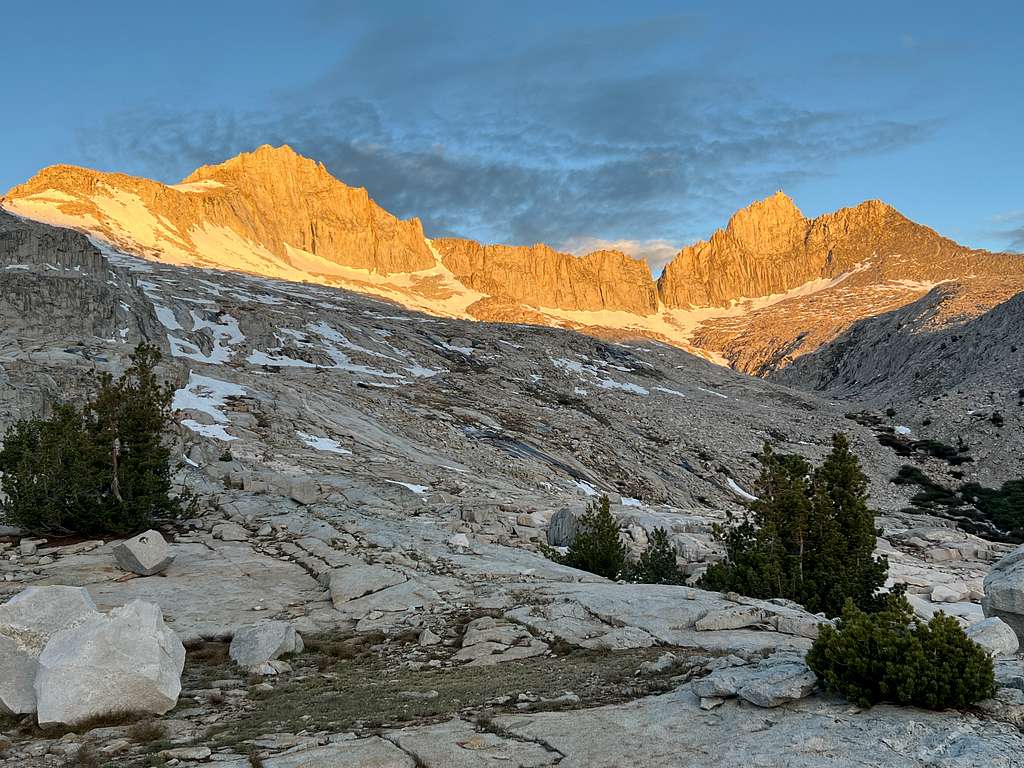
{"x": 712, "y": 392}
{"x": 417, "y": 489}
{"x": 739, "y": 491}
{"x": 322, "y": 443}
{"x": 209, "y": 396}
{"x": 625, "y": 386}
{"x": 668, "y": 391}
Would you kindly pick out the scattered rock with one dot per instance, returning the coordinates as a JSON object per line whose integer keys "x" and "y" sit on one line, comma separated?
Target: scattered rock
{"x": 355, "y": 581}
{"x": 1004, "y": 591}
{"x": 995, "y": 636}
{"x": 186, "y": 753}
{"x": 459, "y": 541}
{"x": 489, "y": 641}
{"x": 663, "y": 663}
{"x": 773, "y": 681}
{"x": 732, "y": 618}
{"x": 428, "y": 638}
{"x": 563, "y": 526}
{"x": 259, "y": 643}
{"x": 230, "y": 532}
{"x": 146, "y": 554}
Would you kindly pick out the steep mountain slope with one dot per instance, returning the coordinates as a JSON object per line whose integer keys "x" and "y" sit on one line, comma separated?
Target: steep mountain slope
{"x": 506, "y": 411}
{"x": 956, "y": 379}
{"x": 769, "y": 287}
{"x": 276, "y": 199}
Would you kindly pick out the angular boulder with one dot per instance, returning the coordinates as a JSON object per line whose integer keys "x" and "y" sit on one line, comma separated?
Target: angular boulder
{"x": 257, "y": 644}
{"x": 27, "y": 622}
{"x": 995, "y": 636}
{"x": 564, "y": 525}
{"x": 777, "y": 679}
{"x": 128, "y": 661}
{"x": 1004, "y": 591}
{"x": 355, "y": 581}
{"x": 146, "y": 554}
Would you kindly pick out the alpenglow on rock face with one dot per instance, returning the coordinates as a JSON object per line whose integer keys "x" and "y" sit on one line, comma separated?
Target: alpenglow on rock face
{"x": 539, "y": 276}
{"x": 126, "y": 662}
{"x": 290, "y": 206}
{"x": 273, "y": 213}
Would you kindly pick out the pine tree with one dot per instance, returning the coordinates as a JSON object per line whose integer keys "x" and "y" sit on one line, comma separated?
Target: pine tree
{"x": 597, "y": 547}
{"x": 810, "y": 536}
{"x": 102, "y": 468}
{"x": 657, "y": 563}
{"x": 127, "y": 420}
{"x": 891, "y": 655}
{"x": 846, "y": 529}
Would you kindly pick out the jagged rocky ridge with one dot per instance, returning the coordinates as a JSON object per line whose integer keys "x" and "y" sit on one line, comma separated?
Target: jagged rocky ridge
{"x": 769, "y": 287}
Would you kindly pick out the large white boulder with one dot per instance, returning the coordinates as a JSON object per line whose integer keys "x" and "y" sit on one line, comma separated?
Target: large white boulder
{"x": 27, "y": 621}
{"x": 146, "y": 554}
{"x": 257, "y": 644}
{"x": 995, "y": 636}
{"x": 128, "y": 661}
{"x": 1004, "y": 591}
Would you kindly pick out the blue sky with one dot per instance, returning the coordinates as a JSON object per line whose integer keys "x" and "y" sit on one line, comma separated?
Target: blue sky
{"x": 574, "y": 123}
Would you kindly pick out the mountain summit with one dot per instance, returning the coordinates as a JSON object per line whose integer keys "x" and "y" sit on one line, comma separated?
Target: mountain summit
{"x": 771, "y": 286}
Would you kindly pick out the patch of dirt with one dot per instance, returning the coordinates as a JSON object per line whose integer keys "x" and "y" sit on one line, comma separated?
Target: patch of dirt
{"x": 363, "y": 683}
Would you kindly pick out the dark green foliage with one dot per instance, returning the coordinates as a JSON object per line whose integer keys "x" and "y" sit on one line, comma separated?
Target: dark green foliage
{"x": 890, "y": 412}
{"x": 997, "y": 418}
{"x": 932, "y": 496}
{"x": 657, "y": 564}
{"x": 994, "y": 513}
{"x": 1004, "y": 507}
{"x": 811, "y": 536}
{"x": 893, "y": 656}
{"x": 597, "y": 547}
{"x": 904, "y": 447}
{"x": 101, "y": 469}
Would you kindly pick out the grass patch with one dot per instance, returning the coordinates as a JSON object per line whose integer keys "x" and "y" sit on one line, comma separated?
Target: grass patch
{"x": 344, "y": 683}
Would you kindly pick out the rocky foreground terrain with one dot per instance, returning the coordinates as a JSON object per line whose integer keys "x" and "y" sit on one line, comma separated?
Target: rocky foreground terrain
{"x": 359, "y": 581}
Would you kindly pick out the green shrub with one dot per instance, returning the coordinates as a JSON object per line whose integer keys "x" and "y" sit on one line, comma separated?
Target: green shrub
{"x": 1004, "y": 507}
{"x": 103, "y": 468}
{"x": 811, "y": 536}
{"x": 597, "y": 547}
{"x": 892, "y": 656}
{"x": 657, "y": 563}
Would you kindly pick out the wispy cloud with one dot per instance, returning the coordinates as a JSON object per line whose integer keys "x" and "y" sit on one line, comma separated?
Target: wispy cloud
{"x": 657, "y": 253}
{"x": 593, "y": 133}
{"x": 1008, "y": 228}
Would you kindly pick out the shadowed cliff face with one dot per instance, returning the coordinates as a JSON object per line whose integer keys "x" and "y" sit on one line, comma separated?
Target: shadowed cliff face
{"x": 765, "y": 290}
